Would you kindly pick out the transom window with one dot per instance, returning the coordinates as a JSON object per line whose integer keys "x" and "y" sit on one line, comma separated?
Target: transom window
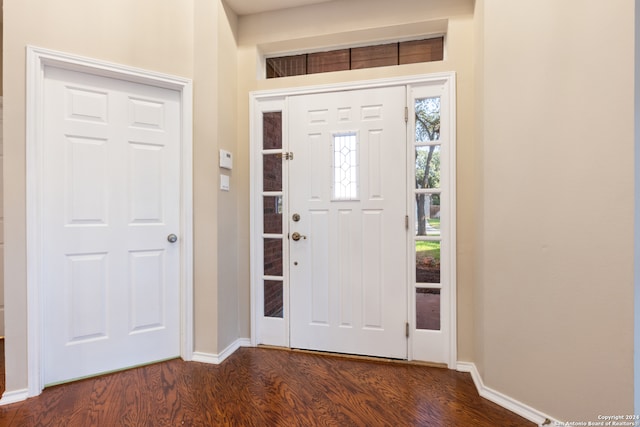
{"x": 381, "y": 55}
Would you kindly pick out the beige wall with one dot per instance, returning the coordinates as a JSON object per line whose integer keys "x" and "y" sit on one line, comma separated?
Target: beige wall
{"x": 330, "y": 24}
{"x": 1, "y": 44}
{"x": 217, "y": 270}
{"x": 231, "y": 266}
{"x": 161, "y": 35}
{"x": 205, "y": 176}
{"x": 1, "y": 210}
{"x": 478, "y": 186}
{"x": 545, "y": 215}
{"x": 545, "y": 296}
{"x": 556, "y": 282}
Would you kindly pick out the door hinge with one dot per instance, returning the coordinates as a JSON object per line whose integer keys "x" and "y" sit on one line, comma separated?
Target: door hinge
{"x": 406, "y": 329}
{"x": 286, "y": 156}
{"x": 406, "y": 222}
{"x": 406, "y": 114}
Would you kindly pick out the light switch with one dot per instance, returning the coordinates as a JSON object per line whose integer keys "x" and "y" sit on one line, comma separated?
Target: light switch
{"x": 224, "y": 182}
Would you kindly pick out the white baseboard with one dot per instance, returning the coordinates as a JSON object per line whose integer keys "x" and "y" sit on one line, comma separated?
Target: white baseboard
{"x": 506, "y": 402}
{"x": 15, "y": 396}
{"x": 19, "y": 395}
{"x": 216, "y": 359}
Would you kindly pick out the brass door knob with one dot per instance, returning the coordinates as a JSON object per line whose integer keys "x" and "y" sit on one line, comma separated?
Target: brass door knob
{"x": 297, "y": 236}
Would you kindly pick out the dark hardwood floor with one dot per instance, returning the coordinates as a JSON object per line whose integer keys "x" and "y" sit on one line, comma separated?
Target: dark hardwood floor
{"x": 266, "y": 387}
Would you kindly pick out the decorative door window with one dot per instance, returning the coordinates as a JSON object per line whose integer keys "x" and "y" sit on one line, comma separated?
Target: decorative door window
{"x": 345, "y": 166}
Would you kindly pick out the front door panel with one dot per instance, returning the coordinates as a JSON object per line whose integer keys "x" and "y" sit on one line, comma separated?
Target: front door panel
{"x": 347, "y": 183}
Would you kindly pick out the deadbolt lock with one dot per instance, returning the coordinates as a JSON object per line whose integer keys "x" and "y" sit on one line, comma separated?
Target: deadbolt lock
{"x": 296, "y": 217}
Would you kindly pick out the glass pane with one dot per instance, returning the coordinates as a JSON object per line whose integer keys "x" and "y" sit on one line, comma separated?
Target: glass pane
{"x": 272, "y": 130}
{"x": 427, "y": 119}
{"x": 273, "y": 257}
{"x": 374, "y": 56}
{"x": 273, "y": 298}
{"x": 415, "y": 51}
{"x": 324, "y": 62}
{"x": 428, "y": 309}
{"x": 345, "y": 167}
{"x": 272, "y": 208}
{"x": 427, "y": 262}
{"x": 428, "y": 166}
{"x": 428, "y": 214}
{"x": 272, "y": 172}
{"x": 286, "y": 66}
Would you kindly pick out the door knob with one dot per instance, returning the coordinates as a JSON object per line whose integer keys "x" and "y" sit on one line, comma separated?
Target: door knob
{"x": 172, "y": 238}
{"x": 297, "y": 236}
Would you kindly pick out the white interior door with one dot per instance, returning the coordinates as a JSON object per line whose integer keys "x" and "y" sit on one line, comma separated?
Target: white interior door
{"x": 347, "y": 184}
{"x": 111, "y": 166}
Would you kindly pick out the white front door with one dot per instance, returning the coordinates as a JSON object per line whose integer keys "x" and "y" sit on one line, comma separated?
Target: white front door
{"x": 111, "y": 198}
{"x": 347, "y": 204}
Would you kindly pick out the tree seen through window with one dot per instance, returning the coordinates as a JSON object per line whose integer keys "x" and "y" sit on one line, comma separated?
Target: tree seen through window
{"x": 427, "y": 111}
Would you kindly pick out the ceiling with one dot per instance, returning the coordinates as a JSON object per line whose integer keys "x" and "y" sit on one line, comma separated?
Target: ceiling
{"x": 247, "y": 7}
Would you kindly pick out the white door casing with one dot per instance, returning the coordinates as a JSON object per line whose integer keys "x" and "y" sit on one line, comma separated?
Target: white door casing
{"x": 438, "y": 344}
{"x": 276, "y": 330}
{"x": 152, "y": 206}
{"x": 348, "y": 285}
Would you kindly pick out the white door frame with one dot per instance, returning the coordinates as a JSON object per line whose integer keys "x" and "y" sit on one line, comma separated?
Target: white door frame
{"x": 268, "y": 100}
{"x": 37, "y": 60}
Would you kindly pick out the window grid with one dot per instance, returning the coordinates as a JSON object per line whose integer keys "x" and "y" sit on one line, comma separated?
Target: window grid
{"x": 272, "y": 218}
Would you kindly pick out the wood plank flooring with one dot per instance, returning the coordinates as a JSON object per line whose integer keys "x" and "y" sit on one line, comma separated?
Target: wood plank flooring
{"x": 266, "y": 387}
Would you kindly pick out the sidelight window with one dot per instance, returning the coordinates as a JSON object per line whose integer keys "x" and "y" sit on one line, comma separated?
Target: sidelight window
{"x": 427, "y": 194}
{"x": 272, "y": 254}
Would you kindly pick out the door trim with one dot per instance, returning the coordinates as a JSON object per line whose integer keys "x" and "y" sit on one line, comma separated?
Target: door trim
{"x": 37, "y": 60}
{"x": 270, "y": 100}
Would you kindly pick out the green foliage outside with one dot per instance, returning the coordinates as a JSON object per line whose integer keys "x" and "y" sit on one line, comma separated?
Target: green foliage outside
{"x": 428, "y": 130}
{"x": 427, "y": 119}
{"x": 426, "y": 250}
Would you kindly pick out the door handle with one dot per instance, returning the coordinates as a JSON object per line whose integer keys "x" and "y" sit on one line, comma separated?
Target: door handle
{"x": 297, "y": 236}
{"x": 172, "y": 238}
